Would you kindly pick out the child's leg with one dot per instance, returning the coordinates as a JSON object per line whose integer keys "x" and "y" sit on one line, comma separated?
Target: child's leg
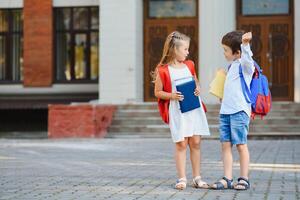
{"x": 240, "y": 127}
{"x": 180, "y": 157}
{"x": 227, "y": 159}
{"x": 194, "y": 144}
{"x": 244, "y": 165}
{"x": 244, "y": 159}
{"x": 195, "y": 155}
{"x": 227, "y": 166}
{"x": 225, "y": 138}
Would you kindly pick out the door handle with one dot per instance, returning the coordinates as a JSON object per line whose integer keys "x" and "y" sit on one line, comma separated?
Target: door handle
{"x": 269, "y": 53}
{"x": 269, "y": 56}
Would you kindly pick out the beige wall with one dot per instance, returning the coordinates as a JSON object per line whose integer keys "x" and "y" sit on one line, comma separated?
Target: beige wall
{"x": 121, "y": 51}
{"x": 217, "y": 17}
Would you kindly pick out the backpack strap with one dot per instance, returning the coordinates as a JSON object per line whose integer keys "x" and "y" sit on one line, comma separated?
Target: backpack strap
{"x": 257, "y": 67}
{"x": 163, "y": 105}
{"x": 228, "y": 68}
{"x": 190, "y": 64}
{"x": 245, "y": 88}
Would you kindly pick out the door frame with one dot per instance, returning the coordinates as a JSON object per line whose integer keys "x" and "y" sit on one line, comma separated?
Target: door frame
{"x": 240, "y": 17}
{"x": 146, "y": 21}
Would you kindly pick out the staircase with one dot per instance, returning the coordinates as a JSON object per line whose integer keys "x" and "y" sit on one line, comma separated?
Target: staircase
{"x": 143, "y": 120}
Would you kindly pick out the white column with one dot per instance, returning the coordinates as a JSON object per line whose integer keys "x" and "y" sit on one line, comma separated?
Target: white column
{"x": 297, "y": 51}
{"x": 121, "y": 51}
{"x": 216, "y": 18}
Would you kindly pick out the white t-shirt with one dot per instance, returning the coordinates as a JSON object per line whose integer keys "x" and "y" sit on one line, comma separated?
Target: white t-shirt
{"x": 234, "y": 100}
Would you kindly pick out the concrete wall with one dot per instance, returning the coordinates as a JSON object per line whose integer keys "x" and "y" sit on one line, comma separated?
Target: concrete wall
{"x": 121, "y": 51}
{"x": 217, "y": 17}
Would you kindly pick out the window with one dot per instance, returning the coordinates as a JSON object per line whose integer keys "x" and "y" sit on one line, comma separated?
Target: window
{"x": 265, "y": 7}
{"x": 76, "y": 44}
{"x": 11, "y": 45}
{"x": 172, "y": 8}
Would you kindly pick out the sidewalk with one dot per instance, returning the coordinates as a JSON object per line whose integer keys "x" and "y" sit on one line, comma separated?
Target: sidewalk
{"x": 137, "y": 169}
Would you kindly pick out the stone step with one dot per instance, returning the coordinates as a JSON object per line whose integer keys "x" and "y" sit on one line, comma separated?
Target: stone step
{"x": 212, "y": 120}
{"x": 210, "y": 110}
{"x": 213, "y": 128}
{"x": 154, "y": 113}
{"x": 153, "y": 106}
{"x": 143, "y": 120}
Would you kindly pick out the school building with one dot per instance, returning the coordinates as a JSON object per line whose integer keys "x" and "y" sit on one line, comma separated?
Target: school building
{"x": 63, "y": 51}
{"x": 132, "y": 45}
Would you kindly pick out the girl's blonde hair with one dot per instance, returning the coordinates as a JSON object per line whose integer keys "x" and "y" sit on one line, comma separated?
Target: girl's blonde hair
{"x": 173, "y": 41}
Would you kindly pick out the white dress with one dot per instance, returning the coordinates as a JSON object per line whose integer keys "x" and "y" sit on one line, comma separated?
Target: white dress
{"x": 186, "y": 124}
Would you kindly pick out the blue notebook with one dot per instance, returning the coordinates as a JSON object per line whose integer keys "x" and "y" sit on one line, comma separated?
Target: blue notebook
{"x": 190, "y": 101}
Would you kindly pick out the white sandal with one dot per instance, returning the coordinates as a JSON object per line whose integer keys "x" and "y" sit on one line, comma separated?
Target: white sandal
{"x": 181, "y": 184}
{"x": 198, "y": 183}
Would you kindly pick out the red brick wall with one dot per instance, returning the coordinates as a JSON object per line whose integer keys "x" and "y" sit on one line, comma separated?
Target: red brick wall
{"x": 38, "y": 33}
{"x": 83, "y": 120}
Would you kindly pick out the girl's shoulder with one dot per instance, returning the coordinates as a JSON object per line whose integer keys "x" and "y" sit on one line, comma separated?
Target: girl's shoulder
{"x": 191, "y": 65}
{"x": 162, "y": 67}
{"x": 189, "y": 62}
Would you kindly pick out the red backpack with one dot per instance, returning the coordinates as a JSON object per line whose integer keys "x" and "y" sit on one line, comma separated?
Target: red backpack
{"x": 258, "y": 94}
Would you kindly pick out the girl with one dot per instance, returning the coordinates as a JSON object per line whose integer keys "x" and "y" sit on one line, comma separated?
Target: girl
{"x": 186, "y": 128}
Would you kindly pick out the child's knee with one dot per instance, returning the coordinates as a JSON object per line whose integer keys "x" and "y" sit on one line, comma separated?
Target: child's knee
{"x": 195, "y": 145}
{"x": 226, "y": 146}
{"x": 242, "y": 147}
{"x": 181, "y": 146}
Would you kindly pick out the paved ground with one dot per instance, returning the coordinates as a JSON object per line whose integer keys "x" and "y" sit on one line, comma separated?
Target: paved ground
{"x": 137, "y": 169}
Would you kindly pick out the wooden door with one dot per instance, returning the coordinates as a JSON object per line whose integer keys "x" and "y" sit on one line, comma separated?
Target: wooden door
{"x": 272, "y": 43}
{"x": 159, "y": 22}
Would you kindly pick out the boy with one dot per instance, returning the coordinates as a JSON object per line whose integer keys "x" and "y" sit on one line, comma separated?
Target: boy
{"x": 235, "y": 111}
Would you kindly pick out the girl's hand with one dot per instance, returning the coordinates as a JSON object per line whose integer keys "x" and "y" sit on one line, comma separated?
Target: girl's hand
{"x": 246, "y": 37}
{"x": 177, "y": 96}
{"x": 197, "y": 91}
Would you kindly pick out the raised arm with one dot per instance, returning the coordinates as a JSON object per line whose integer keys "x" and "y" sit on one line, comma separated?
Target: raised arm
{"x": 246, "y": 56}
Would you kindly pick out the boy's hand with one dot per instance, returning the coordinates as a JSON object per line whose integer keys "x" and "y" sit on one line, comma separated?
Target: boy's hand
{"x": 246, "y": 37}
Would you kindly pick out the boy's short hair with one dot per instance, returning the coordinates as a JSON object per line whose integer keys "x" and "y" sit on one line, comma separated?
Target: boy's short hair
{"x": 233, "y": 40}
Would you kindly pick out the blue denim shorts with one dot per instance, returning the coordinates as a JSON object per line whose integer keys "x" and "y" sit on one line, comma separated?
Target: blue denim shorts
{"x": 234, "y": 127}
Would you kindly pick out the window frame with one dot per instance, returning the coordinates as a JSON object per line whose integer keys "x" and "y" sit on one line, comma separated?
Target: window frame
{"x": 239, "y": 4}
{"x": 73, "y": 32}
{"x": 9, "y": 46}
{"x": 147, "y": 13}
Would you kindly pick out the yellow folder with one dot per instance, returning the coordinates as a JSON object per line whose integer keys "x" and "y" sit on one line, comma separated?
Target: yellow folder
{"x": 217, "y": 85}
